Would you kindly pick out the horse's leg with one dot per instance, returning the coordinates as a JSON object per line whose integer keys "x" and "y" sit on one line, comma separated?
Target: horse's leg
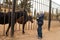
{"x": 23, "y": 29}
{"x": 8, "y": 29}
{"x": 12, "y": 30}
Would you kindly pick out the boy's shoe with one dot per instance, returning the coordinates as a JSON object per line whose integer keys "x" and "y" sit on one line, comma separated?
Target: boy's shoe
{"x": 39, "y": 38}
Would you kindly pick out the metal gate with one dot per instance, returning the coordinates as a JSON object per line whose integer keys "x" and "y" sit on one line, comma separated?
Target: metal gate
{"x": 49, "y": 8}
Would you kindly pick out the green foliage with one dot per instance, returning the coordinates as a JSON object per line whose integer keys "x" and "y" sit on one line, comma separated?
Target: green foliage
{"x": 35, "y": 13}
{"x": 8, "y": 2}
{"x": 26, "y": 4}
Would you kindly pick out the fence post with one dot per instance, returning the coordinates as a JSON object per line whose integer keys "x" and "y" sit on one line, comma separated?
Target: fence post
{"x": 49, "y": 21}
{"x": 56, "y": 13}
{"x": 4, "y": 22}
{"x": 13, "y": 18}
{"x": 52, "y": 13}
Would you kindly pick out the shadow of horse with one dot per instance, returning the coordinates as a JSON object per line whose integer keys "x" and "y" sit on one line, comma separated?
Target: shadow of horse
{"x": 21, "y": 17}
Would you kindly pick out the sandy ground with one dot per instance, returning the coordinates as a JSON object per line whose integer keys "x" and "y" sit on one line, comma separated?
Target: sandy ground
{"x": 31, "y": 31}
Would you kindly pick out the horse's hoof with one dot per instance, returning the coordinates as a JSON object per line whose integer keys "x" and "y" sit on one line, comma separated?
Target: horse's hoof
{"x": 23, "y": 32}
{"x": 6, "y": 34}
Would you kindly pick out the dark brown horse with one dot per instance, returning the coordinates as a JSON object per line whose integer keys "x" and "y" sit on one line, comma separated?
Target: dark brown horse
{"x": 23, "y": 21}
{"x": 20, "y": 17}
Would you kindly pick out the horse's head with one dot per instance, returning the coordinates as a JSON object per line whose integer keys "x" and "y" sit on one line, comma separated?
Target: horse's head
{"x": 30, "y": 18}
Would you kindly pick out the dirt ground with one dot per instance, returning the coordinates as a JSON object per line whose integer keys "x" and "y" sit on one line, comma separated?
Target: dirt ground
{"x": 31, "y": 31}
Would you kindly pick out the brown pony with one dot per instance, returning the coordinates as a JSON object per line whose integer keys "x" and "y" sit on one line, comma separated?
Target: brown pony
{"x": 21, "y": 17}
{"x": 23, "y": 21}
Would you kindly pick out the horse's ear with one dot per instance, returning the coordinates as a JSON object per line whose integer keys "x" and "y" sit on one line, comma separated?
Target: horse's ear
{"x": 25, "y": 10}
{"x": 29, "y": 15}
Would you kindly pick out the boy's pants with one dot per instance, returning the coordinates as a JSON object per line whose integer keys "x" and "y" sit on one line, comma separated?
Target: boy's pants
{"x": 39, "y": 30}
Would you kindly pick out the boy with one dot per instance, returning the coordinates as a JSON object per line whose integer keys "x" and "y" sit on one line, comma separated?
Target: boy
{"x": 40, "y": 23}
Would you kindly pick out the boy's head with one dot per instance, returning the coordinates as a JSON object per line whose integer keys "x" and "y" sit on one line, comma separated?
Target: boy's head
{"x": 41, "y": 14}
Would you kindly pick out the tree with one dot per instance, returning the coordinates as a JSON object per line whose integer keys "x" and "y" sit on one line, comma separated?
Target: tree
{"x": 8, "y": 4}
{"x": 35, "y": 14}
{"x": 26, "y": 4}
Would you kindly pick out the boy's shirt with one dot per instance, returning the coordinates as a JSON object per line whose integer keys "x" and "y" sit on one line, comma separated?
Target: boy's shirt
{"x": 40, "y": 19}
